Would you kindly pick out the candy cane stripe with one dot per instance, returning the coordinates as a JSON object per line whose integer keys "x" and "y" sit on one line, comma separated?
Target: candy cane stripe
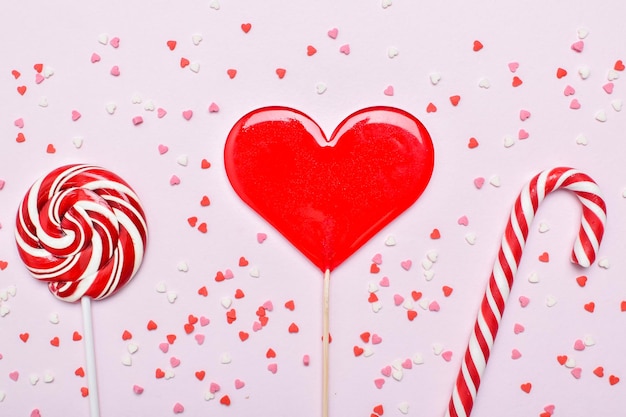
{"x": 584, "y": 253}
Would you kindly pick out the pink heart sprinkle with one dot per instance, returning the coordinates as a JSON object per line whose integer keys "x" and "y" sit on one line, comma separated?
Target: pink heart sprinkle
{"x": 524, "y": 115}
{"x": 115, "y": 42}
{"x": 239, "y": 384}
{"x": 268, "y": 305}
{"x": 379, "y": 382}
{"x": 574, "y": 104}
{"x": 345, "y": 49}
{"x": 522, "y": 134}
{"x": 2, "y": 184}
{"x": 213, "y": 108}
{"x": 479, "y": 182}
{"x": 578, "y": 46}
{"x": 388, "y": 91}
{"x": 518, "y": 328}
{"x": 39, "y": 78}
{"x": 376, "y": 339}
{"x": 163, "y": 149}
{"x": 137, "y": 120}
{"x": 35, "y": 413}
{"x": 174, "y": 180}
{"x": 515, "y": 354}
{"x": 228, "y": 274}
{"x": 256, "y": 326}
{"x": 406, "y": 265}
{"x": 19, "y": 123}
{"x": 174, "y": 361}
{"x": 272, "y": 367}
{"x": 386, "y": 371}
{"x": 137, "y": 389}
{"x": 513, "y": 66}
{"x": 95, "y": 58}
{"x": 260, "y": 237}
{"x": 377, "y": 259}
{"x": 213, "y": 388}
{"x": 161, "y": 113}
{"x": 178, "y": 408}
{"x": 333, "y": 33}
{"x": 447, "y": 355}
{"x": 14, "y": 375}
{"x": 407, "y": 364}
{"x": 204, "y": 321}
{"x": 115, "y": 71}
{"x": 463, "y": 221}
{"x": 608, "y": 87}
{"x": 433, "y": 306}
{"x": 75, "y": 115}
{"x": 398, "y": 299}
{"x": 384, "y": 282}
{"x": 306, "y": 360}
{"x": 523, "y": 301}
{"x": 569, "y": 90}
{"x": 549, "y": 409}
{"x": 187, "y": 114}
{"x": 199, "y": 338}
{"x": 579, "y": 345}
{"x": 576, "y": 372}
{"x": 164, "y": 347}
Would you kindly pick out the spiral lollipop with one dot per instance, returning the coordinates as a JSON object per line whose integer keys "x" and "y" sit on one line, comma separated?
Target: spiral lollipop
{"x": 82, "y": 230}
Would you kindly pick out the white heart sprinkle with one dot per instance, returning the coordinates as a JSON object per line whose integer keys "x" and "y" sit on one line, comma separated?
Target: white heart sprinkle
{"x": 372, "y": 287}
{"x": 543, "y": 227}
{"x": 33, "y": 379}
{"x": 533, "y": 278}
{"x": 508, "y": 141}
{"x": 4, "y": 310}
{"x": 390, "y": 241}
{"x": 403, "y": 407}
{"x": 418, "y": 359}
{"x": 169, "y": 374}
{"x": 4, "y": 294}
{"x": 136, "y": 99}
{"x": 196, "y": 39}
{"x": 392, "y": 52}
{"x": 376, "y": 306}
{"x": 182, "y": 266}
{"x": 550, "y": 301}
{"x": 48, "y": 377}
{"x": 408, "y": 305}
{"x": 435, "y": 77}
{"x": 429, "y": 275}
{"x": 171, "y": 297}
{"x": 604, "y": 263}
{"x": 48, "y": 72}
{"x": 132, "y": 348}
{"x": 103, "y": 38}
{"x": 12, "y": 290}
{"x": 495, "y": 181}
{"x": 148, "y": 105}
{"x": 437, "y": 349}
{"x": 426, "y": 264}
{"x": 368, "y": 351}
{"x": 320, "y": 88}
{"x": 624, "y": 193}
{"x": 182, "y": 160}
{"x": 423, "y": 303}
{"x": 54, "y": 318}
{"x": 600, "y": 116}
{"x": 484, "y": 83}
{"x": 254, "y": 272}
{"x": 397, "y": 374}
{"x": 226, "y": 302}
{"x": 160, "y": 287}
{"x": 589, "y": 341}
{"x": 432, "y": 255}
{"x": 570, "y": 362}
{"x": 215, "y": 5}
{"x": 3, "y": 395}
{"x": 43, "y": 102}
{"x": 385, "y": 3}
{"x": 581, "y": 140}
{"x": 583, "y": 72}
{"x": 225, "y": 359}
{"x": 110, "y": 108}
{"x": 208, "y": 396}
{"x": 582, "y": 33}
{"x": 194, "y": 67}
{"x": 612, "y": 75}
{"x": 127, "y": 360}
{"x": 470, "y": 238}
{"x": 617, "y": 104}
{"x": 78, "y": 142}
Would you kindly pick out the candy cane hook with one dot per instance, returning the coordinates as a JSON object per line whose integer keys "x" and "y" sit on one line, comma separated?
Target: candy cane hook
{"x": 515, "y": 235}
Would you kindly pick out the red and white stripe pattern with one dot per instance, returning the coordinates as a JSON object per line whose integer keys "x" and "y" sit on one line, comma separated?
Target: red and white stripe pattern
{"x": 82, "y": 229}
{"x": 505, "y": 267}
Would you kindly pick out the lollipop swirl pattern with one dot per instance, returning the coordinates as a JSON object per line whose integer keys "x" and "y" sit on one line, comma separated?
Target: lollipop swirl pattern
{"x": 82, "y": 229}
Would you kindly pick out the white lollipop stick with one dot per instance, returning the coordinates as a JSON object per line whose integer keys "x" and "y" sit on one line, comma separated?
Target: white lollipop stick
{"x": 90, "y": 354}
{"x": 325, "y": 342}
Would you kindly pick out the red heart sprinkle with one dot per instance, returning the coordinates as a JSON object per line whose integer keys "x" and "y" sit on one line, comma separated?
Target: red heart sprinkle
{"x": 231, "y": 73}
{"x": 379, "y": 409}
{"x": 203, "y": 291}
{"x": 526, "y": 387}
{"x": 477, "y": 46}
{"x": 24, "y": 337}
{"x": 560, "y": 73}
{"x": 281, "y": 72}
{"x": 473, "y": 143}
{"x": 517, "y": 81}
{"x": 80, "y": 372}
{"x": 151, "y": 325}
{"x": 84, "y": 391}
{"x": 184, "y": 62}
{"x": 243, "y": 261}
{"x": 159, "y": 373}
{"x": 619, "y": 65}
{"x": 243, "y": 336}
{"x": 613, "y": 379}
{"x": 293, "y": 328}
{"x": 263, "y": 320}
{"x": 622, "y": 306}
{"x": 16, "y": 74}
{"x": 38, "y": 67}
{"x": 171, "y": 45}
{"x": 171, "y": 338}
{"x": 192, "y": 221}
{"x": 3, "y": 265}
{"x": 126, "y": 335}
{"x": 203, "y": 227}
{"x": 561, "y": 359}
{"x": 358, "y": 351}
{"x": 544, "y": 257}
{"x": 590, "y": 306}
{"x": 20, "y": 138}
{"x": 205, "y": 201}
{"x": 411, "y": 314}
{"x": 55, "y": 341}
{"x": 435, "y": 234}
{"x": 599, "y": 372}
{"x": 416, "y": 295}
{"x": 454, "y": 100}
{"x": 270, "y": 353}
{"x": 50, "y": 148}
{"x": 372, "y": 298}
{"x": 310, "y": 50}
{"x": 200, "y": 375}
{"x": 231, "y": 316}
{"x": 205, "y": 164}
{"x": 431, "y": 108}
{"x": 76, "y": 337}
{"x": 21, "y": 90}
{"x": 581, "y": 280}
{"x": 246, "y": 27}
{"x": 290, "y": 305}
{"x": 446, "y": 290}
{"x": 225, "y": 400}
{"x": 374, "y": 269}
{"x": 365, "y": 337}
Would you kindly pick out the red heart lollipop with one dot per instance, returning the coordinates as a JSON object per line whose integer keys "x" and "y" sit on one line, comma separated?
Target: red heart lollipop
{"x": 329, "y": 196}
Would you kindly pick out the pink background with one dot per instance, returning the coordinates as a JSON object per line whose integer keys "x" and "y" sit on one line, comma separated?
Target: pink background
{"x": 430, "y": 38}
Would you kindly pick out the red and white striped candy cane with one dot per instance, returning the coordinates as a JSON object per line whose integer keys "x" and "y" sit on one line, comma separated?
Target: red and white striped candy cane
{"x": 505, "y": 267}
{"x": 82, "y": 229}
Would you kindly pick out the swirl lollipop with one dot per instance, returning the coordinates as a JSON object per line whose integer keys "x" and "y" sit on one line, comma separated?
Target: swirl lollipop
{"x": 328, "y": 197}
{"x": 82, "y": 230}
